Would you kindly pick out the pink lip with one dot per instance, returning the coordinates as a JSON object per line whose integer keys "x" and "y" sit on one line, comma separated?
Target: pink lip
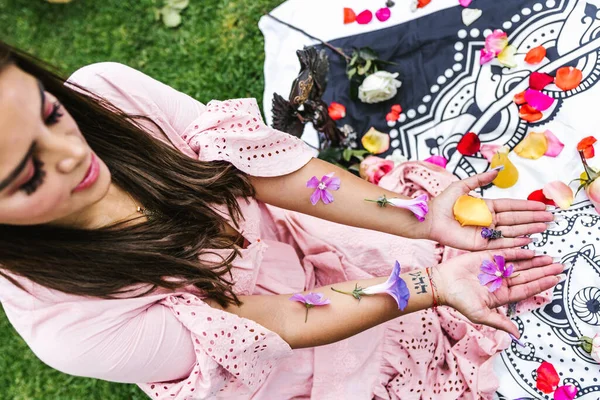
{"x": 91, "y": 176}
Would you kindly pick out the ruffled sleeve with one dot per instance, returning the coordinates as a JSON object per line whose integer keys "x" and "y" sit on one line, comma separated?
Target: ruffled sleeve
{"x": 234, "y": 131}
{"x": 233, "y": 355}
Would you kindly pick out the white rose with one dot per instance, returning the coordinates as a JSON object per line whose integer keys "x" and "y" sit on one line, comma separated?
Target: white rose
{"x": 596, "y": 348}
{"x": 379, "y": 86}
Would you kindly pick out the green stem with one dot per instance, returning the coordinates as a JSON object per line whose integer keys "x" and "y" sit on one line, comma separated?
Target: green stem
{"x": 588, "y": 170}
{"x": 306, "y": 317}
{"x": 342, "y": 292}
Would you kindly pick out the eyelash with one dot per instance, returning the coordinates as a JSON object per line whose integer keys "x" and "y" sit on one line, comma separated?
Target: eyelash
{"x": 36, "y": 180}
{"x": 55, "y": 115}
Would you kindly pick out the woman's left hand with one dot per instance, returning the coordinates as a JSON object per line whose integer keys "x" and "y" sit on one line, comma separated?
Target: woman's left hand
{"x": 514, "y": 218}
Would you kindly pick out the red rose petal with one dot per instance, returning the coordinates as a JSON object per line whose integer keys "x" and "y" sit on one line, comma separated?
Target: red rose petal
{"x": 538, "y": 195}
{"x": 469, "y": 144}
{"x": 539, "y": 81}
{"x": 349, "y": 16}
{"x": 336, "y": 111}
{"x": 568, "y": 78}
{"x": 364, "y": 17}
{"x": 547, "y": 378}
{"x": 392, "y": 116}
{"x": 423, "y": 3}
{"x": 587, "y": 146}
{"x": 529, "y": 114}
{"x": 519, "y": 98}
{"x": 535, "y": 55}
{"x": 396, "y": 108}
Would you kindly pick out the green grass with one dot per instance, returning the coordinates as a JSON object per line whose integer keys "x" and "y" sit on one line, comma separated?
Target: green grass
{"x": 216, "y": 53}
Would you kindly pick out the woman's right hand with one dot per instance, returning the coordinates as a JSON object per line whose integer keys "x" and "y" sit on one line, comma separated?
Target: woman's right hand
{"x": 459, "y": 287}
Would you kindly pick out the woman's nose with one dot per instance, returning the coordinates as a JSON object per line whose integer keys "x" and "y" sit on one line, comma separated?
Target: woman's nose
{"x": 70, "y": 151}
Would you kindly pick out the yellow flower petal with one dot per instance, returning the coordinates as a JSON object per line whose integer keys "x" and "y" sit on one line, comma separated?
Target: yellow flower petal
{"x": 507, "y": 57}
{"x": 534, "y": 146}
{"x": 560, "y": 193}
{"x": 472, "y": 211}
{"x": 509, "y": 175}
{"x": 375, "y": 142}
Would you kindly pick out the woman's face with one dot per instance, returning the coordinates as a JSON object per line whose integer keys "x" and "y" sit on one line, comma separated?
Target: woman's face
{"x": 48, "y": 173}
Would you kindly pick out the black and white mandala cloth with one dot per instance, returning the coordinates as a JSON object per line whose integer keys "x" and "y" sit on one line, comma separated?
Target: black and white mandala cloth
{"x": 445, "y": 93}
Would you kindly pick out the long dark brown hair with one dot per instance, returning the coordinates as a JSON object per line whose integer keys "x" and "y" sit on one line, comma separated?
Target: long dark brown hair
{"x": 165, "y": 251}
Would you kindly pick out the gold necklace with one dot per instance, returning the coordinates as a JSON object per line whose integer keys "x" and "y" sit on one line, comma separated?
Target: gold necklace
{"x": 140, "y": 209}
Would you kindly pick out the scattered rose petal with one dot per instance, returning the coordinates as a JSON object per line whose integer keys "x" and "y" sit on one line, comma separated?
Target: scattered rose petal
{"x": 383, "y": 14}
{"x": 519, "y": 98}
{"x": 538, "y": 80}
{"x": 547, "y": 379}
{"x": 538, "y": 195}
{"x": 485, "y": 56}
{"x": 422, "y": 3}
{"x": 375, "y": 142}
{"x": 471, "y": 211}
{"x": 396, "y": 108}
{"x": 533, "y": 146}
{"x": 488, "y": 150}
{"x": 555, "y": 146}
{"x": 469, "y": 144}
{"x": 593, "y": 194}
{"x": 529, "y": 114}
{"x": 587, "y": 146}
{"x": 374, "y": 168}
{"x": 566, "y": 392}
{"x": 349, "y": 16}
{"x": 509, "y": 176}
{"x": 535, "y": 55}
{"x": 507, "y": 57}
{"x": 392, "y": 116}
{"x": 538, "y": 100}
{"x": 364, "y": 17}
{"x": 437, "y": 160}
{"x": 560, "y": 193}
{"x": 568, "y": 78}
{"x": 496, "y": 41}
{"x": 465, "y": 3}
{"x": 470, "y": 15}
{"x": 336, "y": 111}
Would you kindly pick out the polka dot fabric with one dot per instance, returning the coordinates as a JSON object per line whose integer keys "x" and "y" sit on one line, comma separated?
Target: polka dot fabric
{"x": 234, "y": 131}
{"x": 234, "y": 355}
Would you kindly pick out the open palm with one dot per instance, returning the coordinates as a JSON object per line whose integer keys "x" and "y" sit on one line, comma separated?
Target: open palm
{"x": 515, "y": 218}
{"x": 460, "y": 288}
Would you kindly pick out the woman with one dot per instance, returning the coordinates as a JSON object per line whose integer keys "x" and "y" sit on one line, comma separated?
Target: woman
{"x": 145, "y": 237}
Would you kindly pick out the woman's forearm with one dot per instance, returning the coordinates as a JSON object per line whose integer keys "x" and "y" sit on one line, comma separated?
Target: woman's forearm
{"x": 349, "y": 206}
{"x": 345, "y": 316}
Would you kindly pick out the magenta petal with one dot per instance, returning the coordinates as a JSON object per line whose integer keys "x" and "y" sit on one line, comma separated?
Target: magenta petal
{"x": 437, "y": 160}
{"x": 334, "y": 184}
{"x": 555, "y": 146}
{"x": 465, "y": 3}
{"x": 488, "y": 267}
{"x": 486, "y": 56}
{"x": 383, "y": 14}
{"x": 566, "y": 392}
{"x": 364, "y": 17}
{"x": 538, "y": 100}
{"x": 500, "y": 262}
{"x": 484, "y": 279}
{"x": 316, "y": 299}
{"x": 509, "y": 270}
{"x": 313, "y": 182}
{"x": 314, "y": 199}
{"x": 496, "y": 284}
{"x": 298, "y": 297}
{"x": 326, "y": 197}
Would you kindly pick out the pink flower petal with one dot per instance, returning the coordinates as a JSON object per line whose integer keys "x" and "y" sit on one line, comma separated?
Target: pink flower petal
{"x": 485, "y": 56}
{"x": 314, "y": 198}
{"x": 334, "y": 183}
{"x": 566, "y": 392}
{"x": 326, "y": 197}
{"x": 560, "y": 193}
{"x": 488, "y": 267}
{"x": 538, "y": 100}
{"x": 465, "y": 3}
{"x": 555, "y": 146}
{"x": 496, "y": 41}
{"x": 484, "y": 279}
{"x": 364, "y": 17}
{"x": 495, "y": 285}
{"x": 489, "y": 150}
{"x": 383, "y": 14}
{"x": 437, "y": 160}
{"x": 313, "y": 182}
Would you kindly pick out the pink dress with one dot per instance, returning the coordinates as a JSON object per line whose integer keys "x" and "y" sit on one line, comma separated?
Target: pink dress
{"x": 188, "y": 350}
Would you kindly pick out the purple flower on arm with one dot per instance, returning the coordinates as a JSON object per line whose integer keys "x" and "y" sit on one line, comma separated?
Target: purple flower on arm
{"x": 310, "y": 300}
{"x": 494, "y": 272}
{"x": 322, "y": 188}
{"x": 418, "y": 206}
{"x": 394, "y": 286}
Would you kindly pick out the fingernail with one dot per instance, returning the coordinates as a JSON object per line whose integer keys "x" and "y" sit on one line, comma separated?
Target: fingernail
{"x": 539, "y": 253}
{"x": 550, "y": 208}
{"x": 534, "y": 239}
{"x": 559, "y": 217}
{"x": 556, "y": 259}
{"x": 517, "y": 341}
{"x": 498, "y": 168}
{"x": 551, "y": 225}
{"x": 561, "y": 277}
{"x": 565, "y": 267}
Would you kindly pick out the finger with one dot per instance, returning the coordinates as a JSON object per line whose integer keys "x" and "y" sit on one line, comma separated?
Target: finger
{"x": 535, "y": 262}
{"x": 533, "y": 274}
{"x": 499, "y": 321}
{"x": 522, "y": 217}
{"x": 505, "y": 243}
{"x": 526, "y": 290}
{"x": 511, "y": 231}
{"x": 478, "y": 180}
{"x": 504, "y": 205}
{"x": 513, "y": 254}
